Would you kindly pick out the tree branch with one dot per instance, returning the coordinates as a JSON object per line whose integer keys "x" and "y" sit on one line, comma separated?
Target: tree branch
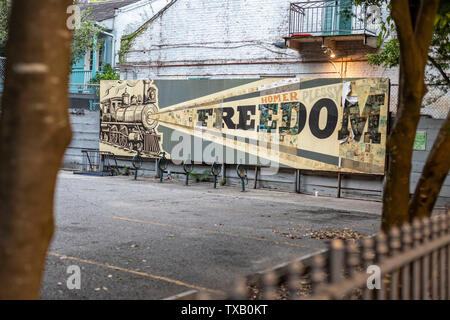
{"x": 425, "y": 25}
{"x": 433, "y": 175}
{"x": 401, "y": 14}
{"x": 439, "y": 68}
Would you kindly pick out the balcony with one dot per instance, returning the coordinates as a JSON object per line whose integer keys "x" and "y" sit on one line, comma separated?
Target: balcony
{"x": 79, "y": 81}
{"x": 337, "y": 25}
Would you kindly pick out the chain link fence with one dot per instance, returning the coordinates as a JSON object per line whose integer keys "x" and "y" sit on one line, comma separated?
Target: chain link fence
{"x": 2, "y": 69}
{"x": 436, "y": 102}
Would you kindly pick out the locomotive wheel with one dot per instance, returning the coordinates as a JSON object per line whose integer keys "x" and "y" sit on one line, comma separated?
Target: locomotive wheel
{"x": 114, "y": 134}
{"x": 139, "y": 146}
{"x": 123, "y": 137}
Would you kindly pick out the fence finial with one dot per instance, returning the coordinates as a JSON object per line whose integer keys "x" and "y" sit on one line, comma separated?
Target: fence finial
{"x": 270, "y": 280}
{"x": 394, "y": 240}
{"x": 426, "y": 233}
{"x": 406, "y": 245}
{"x": 443, "y": 223}
{"x": 435, "y": 227}
{"x": 240, "y": 289}
{"x": 382, "y": 250}
{"x": 368, "y": 256}
{"x": 337, "y": 260}
{"x": 353, "y": 260}
{"x": 406, "y": 236}
{"x": 394, "y": 247}
{"x": 417, "y": 231}
{"x": 448, "y": 223}
{"x": 295, "y": 272}
{"x": 202, "y": 295}
{"x": 318, "y": 274}
{"x": 417, "y": 236}
{"x": 426, "y": 229}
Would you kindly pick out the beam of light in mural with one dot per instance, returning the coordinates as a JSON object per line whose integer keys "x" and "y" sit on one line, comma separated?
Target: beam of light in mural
{"x": 313, "y": 124}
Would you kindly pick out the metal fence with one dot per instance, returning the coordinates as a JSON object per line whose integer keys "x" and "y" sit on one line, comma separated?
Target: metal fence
{"x": 436, "y": 102}
{"x": 2, "y": 69}
{"x": 97, "y": 162}
{"x": 413, "y": 262}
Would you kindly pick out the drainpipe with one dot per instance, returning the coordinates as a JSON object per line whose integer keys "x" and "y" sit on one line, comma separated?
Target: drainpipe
{"x": 113, "y": 56}
{"x": 114, "y": 39}
{"x": 94, "y": 59}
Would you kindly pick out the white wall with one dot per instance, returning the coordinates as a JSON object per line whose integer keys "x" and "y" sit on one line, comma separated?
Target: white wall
{"x": 129, "y": 18}
{"x": 227, "y": 39}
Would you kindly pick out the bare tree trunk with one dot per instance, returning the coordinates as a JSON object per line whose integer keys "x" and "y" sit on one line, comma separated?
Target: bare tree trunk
{"x": 433, "y": 175}
{"x": 34, "y": 132}
{"x": 414, "y": 24}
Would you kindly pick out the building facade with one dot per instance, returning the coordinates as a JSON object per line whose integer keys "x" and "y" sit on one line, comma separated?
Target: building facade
{"x": 250, "y": 39}
{"x": 256, "y": 39}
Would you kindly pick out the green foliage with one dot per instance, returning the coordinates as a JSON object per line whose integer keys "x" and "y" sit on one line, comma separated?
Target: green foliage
{"x": 439, "y": 51}
{"x": 107, "y": 73}
{"x": 200, "y": 177}
{"x": 222, "y": 182}
{"x": 126, "y": 171}
{"x": 126, "y": 42}
{"x": 440, "y": 44}
{"x": 83, "y": 37}
{"x": 125, "y": 45}
{"x": 388, "y": 56}
{"x": 5, "y": 9}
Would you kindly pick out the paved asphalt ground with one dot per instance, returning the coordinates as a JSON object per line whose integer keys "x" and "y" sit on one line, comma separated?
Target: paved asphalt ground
{"x": 146, "y": 240}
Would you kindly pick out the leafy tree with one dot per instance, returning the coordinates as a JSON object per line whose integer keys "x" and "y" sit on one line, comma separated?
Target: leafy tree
{"x": 420, "y": 29}
{"x": 83, "y": 37}
{"x": 439, "y": 52}
{"x": 107, "y": 73}
{"x": 5, "y": 8}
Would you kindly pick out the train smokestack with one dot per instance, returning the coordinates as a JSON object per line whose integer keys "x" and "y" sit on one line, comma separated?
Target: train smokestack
{"x": 146, "y": 86}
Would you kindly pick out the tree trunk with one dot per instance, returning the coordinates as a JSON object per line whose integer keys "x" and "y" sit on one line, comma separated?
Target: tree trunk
{"x": 433, "y": 175}
{"x": 34, "y": 132}
{"x": 414, "y": 29}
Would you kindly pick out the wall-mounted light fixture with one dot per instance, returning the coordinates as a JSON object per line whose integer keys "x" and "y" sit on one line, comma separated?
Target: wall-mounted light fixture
{"x": 328, "y": 52}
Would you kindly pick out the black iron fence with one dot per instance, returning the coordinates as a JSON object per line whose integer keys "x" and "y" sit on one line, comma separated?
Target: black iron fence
{"x": 329, "y": 17}
{"x": 411, "y": 262}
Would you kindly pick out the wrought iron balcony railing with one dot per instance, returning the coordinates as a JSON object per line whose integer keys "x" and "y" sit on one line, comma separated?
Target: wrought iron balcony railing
{"x": 329, "y": 18}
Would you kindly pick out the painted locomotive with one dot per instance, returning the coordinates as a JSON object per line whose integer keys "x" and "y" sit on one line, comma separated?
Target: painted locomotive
{"x": 126, "y": 122}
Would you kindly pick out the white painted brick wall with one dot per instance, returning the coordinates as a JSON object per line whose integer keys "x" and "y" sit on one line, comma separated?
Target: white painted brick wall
{"x": 224, "y": 32}
{"x": 129, "y": 18}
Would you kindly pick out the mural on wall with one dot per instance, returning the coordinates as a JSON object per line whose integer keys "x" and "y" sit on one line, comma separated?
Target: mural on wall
{"x": 314, "y": 124}
{"x": 126, "y": 125}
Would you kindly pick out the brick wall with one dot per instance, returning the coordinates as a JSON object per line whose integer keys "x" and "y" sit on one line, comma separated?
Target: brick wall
{"x": 228, "y": 39}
